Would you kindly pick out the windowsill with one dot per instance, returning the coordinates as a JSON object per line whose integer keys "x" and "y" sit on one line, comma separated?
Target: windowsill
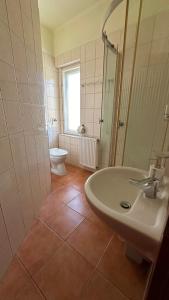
{"x": 71, "y": 135}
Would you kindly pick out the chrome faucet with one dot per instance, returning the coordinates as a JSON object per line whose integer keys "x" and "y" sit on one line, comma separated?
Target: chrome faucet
{"x": 150, "y": 184}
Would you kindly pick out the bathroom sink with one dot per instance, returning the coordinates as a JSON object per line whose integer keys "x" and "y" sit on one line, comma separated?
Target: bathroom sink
{"x": 139, "y": 220}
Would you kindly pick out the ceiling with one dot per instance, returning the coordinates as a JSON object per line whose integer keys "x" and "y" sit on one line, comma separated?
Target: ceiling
{"x": 54, "y": 13}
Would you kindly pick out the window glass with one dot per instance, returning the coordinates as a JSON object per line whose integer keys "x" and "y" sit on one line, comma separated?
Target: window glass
{"x": 71, "y": 97}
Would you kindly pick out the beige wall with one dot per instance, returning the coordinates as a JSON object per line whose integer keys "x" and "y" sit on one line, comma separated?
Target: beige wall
{"x": 47, "y": 39}
{"x": 24, "y": 162}
{"x": 87, "y": 27}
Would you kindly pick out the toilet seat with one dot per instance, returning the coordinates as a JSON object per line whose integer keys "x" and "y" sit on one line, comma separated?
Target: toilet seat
{"x": 57, "y": 152}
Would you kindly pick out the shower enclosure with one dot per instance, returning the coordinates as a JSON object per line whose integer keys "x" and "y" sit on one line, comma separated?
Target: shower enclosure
{"x": 138, "y": 99}
{"x": 108, "y": 104}
{"x": 109, "y": 93}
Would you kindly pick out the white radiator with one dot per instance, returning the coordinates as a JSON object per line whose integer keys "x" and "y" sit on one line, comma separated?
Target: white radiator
{"x": 89, "y": 152}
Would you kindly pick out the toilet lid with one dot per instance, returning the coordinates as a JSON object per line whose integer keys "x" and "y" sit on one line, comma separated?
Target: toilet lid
{"x": 58, "y": 152}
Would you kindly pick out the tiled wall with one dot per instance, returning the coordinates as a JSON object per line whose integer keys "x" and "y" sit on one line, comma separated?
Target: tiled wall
{"x": 24, "y": 162}
{"x": 51, "y": 99}
{"x": 90, "y": 57}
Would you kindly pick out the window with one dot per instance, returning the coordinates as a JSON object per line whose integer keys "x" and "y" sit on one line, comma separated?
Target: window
{"x": 71, "y": 99}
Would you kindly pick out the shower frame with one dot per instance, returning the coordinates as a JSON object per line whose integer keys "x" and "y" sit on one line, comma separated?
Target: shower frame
{"x": 118, "y": 80}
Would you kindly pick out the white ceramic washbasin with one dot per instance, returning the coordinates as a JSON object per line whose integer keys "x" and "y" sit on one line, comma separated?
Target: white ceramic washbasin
{"x": 144, "y": 222}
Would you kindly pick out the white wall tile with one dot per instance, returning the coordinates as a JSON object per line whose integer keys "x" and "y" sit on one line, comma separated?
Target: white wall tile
{"x": 89, "y": 115}
{"x": 10, "y": 204}
{"x": 28, "y": 32}
{"x": 98, "y": 100}
{"x": 90, "y": 101}
{"x": 22, "y": 176}
{"x": 26, "y": 8}
{"x": 14, "y": 15}
{"x": 89, "y": 129}
{"x": 5, "y": 249}
{"x": 90, "y": 68}
{"x": 89, "y": 85}
{"x": 33, "y": 171}
{"x": 24, "y": 92}
{"x": 5, "y": 49}
{"x": 97, "y": 115}
{"x": 26, "y": 116}
{"x": 90, "y": 51}
{"x": 3, "y": 129}
{"x": 6, "y": 72}
{"x": 5, "y": 155}
{"x": 99, "y": 48}
{"x": 96, "y": 130}
{"x": 3, "y": 11}
{"x": 31, "y": 65}
{"x": 13, "y": 116}
{"x": 98, "y": 84}
{"x": 9, "y": 90}
{"x": 99, "y": 67}
{"x": 41, "y": 166}
{"x": 82, "y": 100}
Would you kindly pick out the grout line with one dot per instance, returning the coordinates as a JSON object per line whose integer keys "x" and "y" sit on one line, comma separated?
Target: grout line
{"x": 102, "y": 274}
{"x": 49, "y": 228}
{"x": 30, "y": 277}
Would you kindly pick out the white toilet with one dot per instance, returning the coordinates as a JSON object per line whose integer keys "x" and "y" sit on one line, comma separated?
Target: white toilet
{"x": 57, "y": 159}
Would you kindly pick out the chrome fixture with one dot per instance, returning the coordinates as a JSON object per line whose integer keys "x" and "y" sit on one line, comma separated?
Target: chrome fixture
{"x": 149, "y": 185}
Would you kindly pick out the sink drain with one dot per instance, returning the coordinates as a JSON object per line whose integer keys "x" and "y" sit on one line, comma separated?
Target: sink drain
{"x": 125, "y": 204}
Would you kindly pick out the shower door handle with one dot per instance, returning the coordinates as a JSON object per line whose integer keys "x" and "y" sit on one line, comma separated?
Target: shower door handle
{"x": 120, "y": 123}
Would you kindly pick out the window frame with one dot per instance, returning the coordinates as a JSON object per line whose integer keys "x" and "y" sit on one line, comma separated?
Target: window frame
{"x": 65, "y": 69}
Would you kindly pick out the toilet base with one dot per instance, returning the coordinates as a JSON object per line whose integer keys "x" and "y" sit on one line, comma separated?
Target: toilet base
{"x": 59, "y": 170}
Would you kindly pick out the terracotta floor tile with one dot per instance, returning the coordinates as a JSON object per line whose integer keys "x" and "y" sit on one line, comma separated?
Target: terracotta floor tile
{"x": 16, "y": 285}
{"x": 80, "y": 204}
{"x": 55, "y": 184}
{"x": 51, "y": 206}
{"x": 65, "y": 194}
{"x": 64, "y": 180}
{"x": 39, "y": 246}
{"x": 64, "y": 221}
{"x": 90, "y": 241}
{"x": 129, "y": 277}
{"x": 95, "y": 219}
{"x": 64, "y": 276}
{"x": 100, "y": 289}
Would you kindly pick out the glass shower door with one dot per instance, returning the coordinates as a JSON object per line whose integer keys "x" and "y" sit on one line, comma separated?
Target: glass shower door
{"x": 110, "y": 60}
